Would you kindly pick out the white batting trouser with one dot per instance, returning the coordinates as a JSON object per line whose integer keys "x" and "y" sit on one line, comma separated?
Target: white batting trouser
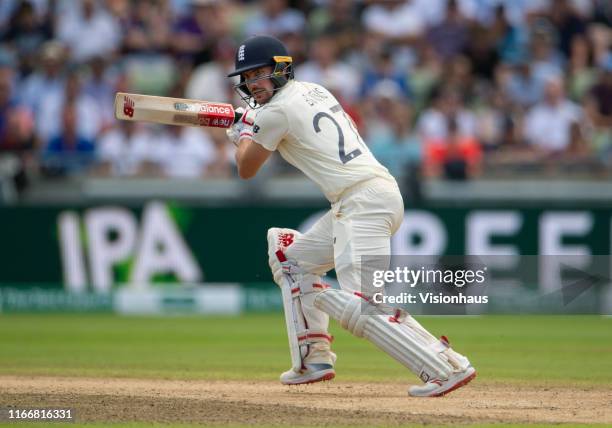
{"x": 360, "y": 223}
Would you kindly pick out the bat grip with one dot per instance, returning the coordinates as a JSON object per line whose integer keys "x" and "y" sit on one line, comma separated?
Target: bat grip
{"x": 237, "y": 116}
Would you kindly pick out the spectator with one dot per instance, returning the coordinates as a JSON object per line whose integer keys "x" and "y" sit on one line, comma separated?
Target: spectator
{"x": 460, "y": 78}
{"x": 222, "y": 164}
{"x": 182, "y": 152}
{"x": 455, "y": 157}
{"x": 196, "y": 34}
{"x": 179, "y": 7}
{"x": 433, "y": 123}
{"x": 599, "y": 37}
{"x": 209, "y": 80}
{"x": 16, "y": 124}
{"x": 275, "y": 18}
{"x": 548, "y": 123}
{"x": 425, "y": 75}
{"x": 508, "y": 39}
{"x": 545, "y": 59}
{"x": 450, "y": 36}
{"x": 100, "y": 85}
{"x": 581, "y": 71}
{"x": 482, "y": 53}
{"x": 296, "y": 43}
{"x": 26, "y": 33}
{"x": 384, "y": 69}
{"x": 568, "y": 24}
{"x": 396, "y": 146}
{"x": 599, "y": 102}
{"x": 521, "y": 86}
{"x": 17, "y": 138}
{"x": 125, "y": 150}
{"x": 603, "y": 12}
{"x": 88, "y": 120}
{"x": 46, "y": 81}
{"x": 146, "y": 27}
{"x": 397, "y": 21}
{"x": 88, "y": 30}
{"x": 69, "y": 151}
{"x": 599, "y": 110}
{"x": 495, "y": 122}
{"x": 9, "y": 7}
{"x": 434, "y": 11}
{"x": 339, "y": 19}
{"x": 516, "y": 12}
{"x": 578, "y": 148}
{"x": 325, "y": 68}
{"x": 378, "y": 109}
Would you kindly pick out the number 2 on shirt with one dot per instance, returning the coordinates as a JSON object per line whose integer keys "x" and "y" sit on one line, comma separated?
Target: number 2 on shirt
{"x": 344, "y": 157}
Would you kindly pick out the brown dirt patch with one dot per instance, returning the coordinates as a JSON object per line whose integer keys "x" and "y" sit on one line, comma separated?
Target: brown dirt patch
{"x": 331, "y": 403}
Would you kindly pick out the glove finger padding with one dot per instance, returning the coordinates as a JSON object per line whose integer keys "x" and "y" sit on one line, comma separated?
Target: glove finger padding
{"x": 243, "y": 128}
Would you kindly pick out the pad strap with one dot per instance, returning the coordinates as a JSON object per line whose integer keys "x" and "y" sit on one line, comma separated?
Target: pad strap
{"x": 312, "y": 336}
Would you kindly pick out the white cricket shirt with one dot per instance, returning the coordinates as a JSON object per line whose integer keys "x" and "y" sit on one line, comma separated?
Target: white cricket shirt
{"x": 311, "y": 131}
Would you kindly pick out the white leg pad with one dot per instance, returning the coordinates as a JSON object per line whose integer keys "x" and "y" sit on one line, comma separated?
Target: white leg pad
{"x": 400, "y": 336}
{"x": 306, "y": 325}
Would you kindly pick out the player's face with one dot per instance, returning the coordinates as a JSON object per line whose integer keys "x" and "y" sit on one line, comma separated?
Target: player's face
{"x": 261, "y": 89}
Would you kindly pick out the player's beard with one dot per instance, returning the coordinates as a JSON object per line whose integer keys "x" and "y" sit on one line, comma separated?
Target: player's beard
{"x": 262, "y": 96}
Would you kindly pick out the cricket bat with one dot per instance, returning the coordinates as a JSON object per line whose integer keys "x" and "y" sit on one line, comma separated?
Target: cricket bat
{"x": 174, "y": 111}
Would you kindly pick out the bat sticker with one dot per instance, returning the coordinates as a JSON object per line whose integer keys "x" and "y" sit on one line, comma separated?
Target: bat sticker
{"x": 128, "y": 106}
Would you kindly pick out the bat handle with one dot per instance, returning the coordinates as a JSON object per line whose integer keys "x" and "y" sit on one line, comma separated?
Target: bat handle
{"x": 237, "y": 116}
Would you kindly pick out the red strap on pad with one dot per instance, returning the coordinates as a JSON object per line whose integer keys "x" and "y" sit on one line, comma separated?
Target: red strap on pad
{"x": 281, "y": 256}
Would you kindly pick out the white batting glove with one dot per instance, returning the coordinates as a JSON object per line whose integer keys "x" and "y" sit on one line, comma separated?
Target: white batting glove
{"x": 243, "y": 128}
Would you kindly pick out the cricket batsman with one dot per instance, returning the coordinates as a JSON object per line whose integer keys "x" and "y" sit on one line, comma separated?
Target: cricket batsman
{"x": 311, "y": 131}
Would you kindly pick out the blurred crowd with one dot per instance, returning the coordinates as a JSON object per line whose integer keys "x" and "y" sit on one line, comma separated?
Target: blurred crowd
{"x": 454, "y": 89}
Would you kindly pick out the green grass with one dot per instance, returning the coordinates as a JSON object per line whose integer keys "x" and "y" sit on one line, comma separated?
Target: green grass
{"x": 550, "y": 349}
{"x": 545, "y": 349}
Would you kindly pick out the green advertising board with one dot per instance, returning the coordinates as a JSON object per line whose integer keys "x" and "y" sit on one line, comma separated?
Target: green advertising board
{"x": 99, "y": 247}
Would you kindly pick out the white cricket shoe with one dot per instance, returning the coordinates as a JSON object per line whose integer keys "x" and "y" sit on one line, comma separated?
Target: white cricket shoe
{"x": 313, "y": 372}
{"x": 438, "y": 388}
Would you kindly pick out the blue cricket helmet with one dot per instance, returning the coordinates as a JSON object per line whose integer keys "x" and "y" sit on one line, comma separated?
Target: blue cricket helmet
{"x": 261, "y": 51}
